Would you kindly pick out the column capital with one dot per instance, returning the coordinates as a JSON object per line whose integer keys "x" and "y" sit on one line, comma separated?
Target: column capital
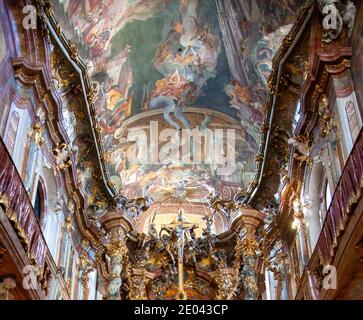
{"x": 250, "y": 219}
{"x": 117, "y": 220}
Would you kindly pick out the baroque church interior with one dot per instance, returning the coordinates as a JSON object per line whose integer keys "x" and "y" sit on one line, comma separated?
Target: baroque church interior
{"x": 181, "y": 150}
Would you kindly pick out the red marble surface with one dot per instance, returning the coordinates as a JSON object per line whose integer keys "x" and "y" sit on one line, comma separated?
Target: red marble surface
{"x": 349, "y": 186}
{"x": 20, "y": 210}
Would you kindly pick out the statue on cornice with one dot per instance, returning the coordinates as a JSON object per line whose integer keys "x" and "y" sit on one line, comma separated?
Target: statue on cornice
{"x": 216, "y": 202}
{"x": 271, "y": 212}
{"x": 134, "y": 207}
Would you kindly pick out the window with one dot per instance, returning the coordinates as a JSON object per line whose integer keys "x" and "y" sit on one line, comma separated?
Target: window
{"x": 349, "y": 123}
{"x": 31, "y": 163}
{"x": 328, "y": 196}
{"x": 39, "y": 202}
{"x": 352, "y": 120}
{"x": 38, "y": 205}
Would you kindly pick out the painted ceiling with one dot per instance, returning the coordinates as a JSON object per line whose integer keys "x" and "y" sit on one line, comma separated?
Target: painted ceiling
{"x": 185, "y": 64}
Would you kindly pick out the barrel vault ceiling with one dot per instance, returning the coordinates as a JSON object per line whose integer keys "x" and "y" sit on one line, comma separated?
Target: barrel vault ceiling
{"x": 184, "y": 64}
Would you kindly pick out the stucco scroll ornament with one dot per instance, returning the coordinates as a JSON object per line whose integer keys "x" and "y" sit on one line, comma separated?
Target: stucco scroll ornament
{"x": 271, "y": 213}
{"x": 227, "y": 280}
{"x": 62, "y": 157}
{"x": 60, "y": 203}
{"x": 337, "y": 13}
{"x": 302, "y": 145}
{"x": 36, "y": 134}
{"x": 86, "y": 267}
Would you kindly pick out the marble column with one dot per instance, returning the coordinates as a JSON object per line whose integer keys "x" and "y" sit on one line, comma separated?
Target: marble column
{"x": 248, "y": 248}
{"x": 116, "y": 250}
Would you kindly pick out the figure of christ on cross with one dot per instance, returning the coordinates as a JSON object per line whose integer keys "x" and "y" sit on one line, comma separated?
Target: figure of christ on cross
{"x": 182, "y": 230}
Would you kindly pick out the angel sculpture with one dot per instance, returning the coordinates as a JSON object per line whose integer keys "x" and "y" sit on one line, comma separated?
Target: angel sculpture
{"x": 219, "y": 205}
{"x": 134, "y": 207}
{"x": 302, "y": 144}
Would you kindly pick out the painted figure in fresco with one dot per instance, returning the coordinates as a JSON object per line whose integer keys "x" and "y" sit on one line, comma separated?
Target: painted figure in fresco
{"x": 170, "y": 94}
{"x": 113, "y": 102}
{"x": 92, "y": 19}
{"x": 248, "y": 102}
{"x": 187, "y": 59}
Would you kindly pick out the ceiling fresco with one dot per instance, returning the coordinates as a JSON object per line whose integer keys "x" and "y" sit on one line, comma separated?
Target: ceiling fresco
{"x": 183, "y": 64}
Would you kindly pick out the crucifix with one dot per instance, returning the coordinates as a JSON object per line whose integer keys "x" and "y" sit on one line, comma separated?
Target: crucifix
{"x": 181, "y": 226}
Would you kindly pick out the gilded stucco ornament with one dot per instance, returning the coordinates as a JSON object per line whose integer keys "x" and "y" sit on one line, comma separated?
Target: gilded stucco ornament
{"x": 227, "y": 280}
{"x": 69, "y": 224}
{"x": 86, "y": 267}
{"x": 74, "y": 52}
{"x": 218, "y": 204}
{"x": 61, "y": 78}
{"x": 36, "y": 134}
{"x": 248, "y": 248}
{"x": 136, "y": 282}
{"x": 328, "y": 123}
{"x": 44, "y": 279}
{"x": 62, "y": 157}
{"x": 116, "y": 252}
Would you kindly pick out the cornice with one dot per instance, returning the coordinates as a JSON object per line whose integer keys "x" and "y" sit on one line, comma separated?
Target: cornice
{"x": 71, "y": 53}
{"x": 49, "y": 99}
{"x": 35, "y": 74}
{"x": 274, "y": 83}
